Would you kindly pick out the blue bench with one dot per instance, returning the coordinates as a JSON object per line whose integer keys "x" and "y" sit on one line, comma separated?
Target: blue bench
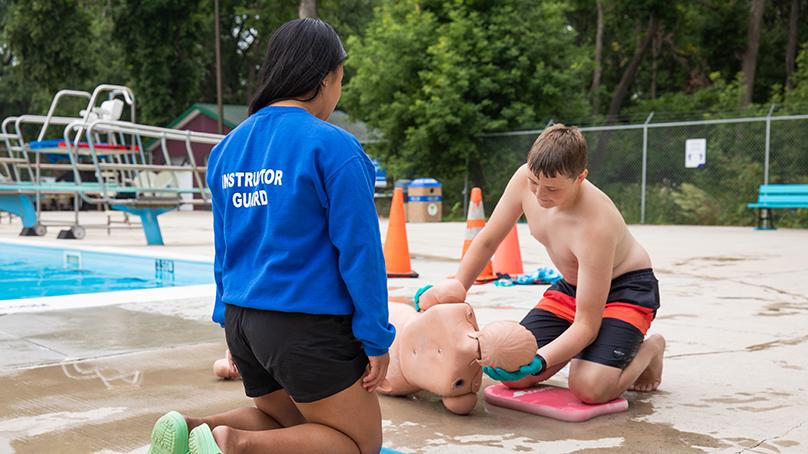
{"x": 772, "y": 196}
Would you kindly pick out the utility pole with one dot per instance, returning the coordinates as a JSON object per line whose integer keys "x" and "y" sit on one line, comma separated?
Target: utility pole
{"x": 308, "y": 8}
{"x": 219, "y": 105}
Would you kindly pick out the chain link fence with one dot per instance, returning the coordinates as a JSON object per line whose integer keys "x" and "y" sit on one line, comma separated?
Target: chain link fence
{"x": 642, "y": 167}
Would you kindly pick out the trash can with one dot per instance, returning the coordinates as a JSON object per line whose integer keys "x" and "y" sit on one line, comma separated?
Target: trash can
{"x": 424, "y": 200}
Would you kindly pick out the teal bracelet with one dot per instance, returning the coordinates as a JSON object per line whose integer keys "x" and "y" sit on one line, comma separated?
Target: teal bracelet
{"x": 418, "y": 294}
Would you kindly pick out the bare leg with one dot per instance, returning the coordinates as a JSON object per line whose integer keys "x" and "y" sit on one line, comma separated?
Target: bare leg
{"x": 272, "y": 411}
{"x": 595, "y": 383}
{"x": 246, "y": 418}
{"x": 347, "y": 422}
{"x": 527, "y": 382}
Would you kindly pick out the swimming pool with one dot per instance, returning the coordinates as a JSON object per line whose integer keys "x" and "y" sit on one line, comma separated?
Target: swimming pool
{"x": 28, "y": 271}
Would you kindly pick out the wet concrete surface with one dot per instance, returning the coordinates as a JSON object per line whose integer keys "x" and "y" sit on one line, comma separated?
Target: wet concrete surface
{"x": 45, "y": 337}
{"x": 734, "y": 311}
{"x": 110, "y": 404}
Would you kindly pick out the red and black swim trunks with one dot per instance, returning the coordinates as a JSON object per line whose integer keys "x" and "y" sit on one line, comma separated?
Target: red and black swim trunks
{"x": 631, "y": 306}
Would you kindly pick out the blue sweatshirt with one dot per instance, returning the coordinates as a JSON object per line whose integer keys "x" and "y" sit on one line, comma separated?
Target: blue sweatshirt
{"x": 294, "y": 223}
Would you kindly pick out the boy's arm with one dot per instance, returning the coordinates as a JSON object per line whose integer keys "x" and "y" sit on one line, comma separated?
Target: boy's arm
{"x": 502, "y": 220}
{"x": 595, "y": 261}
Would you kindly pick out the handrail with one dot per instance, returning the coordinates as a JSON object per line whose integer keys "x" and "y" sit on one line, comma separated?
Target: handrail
{"x": 52, "y": 108}
{"x": 105, "y": 192}
{"x": 126, "y": 92}
{"x": 115, "y": 170}
{"x": 155, "y": 132}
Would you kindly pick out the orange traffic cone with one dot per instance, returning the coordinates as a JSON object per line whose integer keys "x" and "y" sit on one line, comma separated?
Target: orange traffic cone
{"x": 396, "y": 250}
{"x": 474, "y": 223}
{"x": 508, "y": 258}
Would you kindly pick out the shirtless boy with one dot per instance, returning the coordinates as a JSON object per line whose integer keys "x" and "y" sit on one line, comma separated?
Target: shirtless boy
{"x": 598, "y": 315}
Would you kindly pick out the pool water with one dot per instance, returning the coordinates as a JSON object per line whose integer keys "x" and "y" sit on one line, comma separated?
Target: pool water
{"x": 35, "y": 271}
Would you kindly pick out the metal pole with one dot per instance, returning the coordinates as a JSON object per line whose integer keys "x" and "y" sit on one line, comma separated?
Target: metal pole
{"x": 768, "y": 145}
{"x": 644, "y": 166}
{"x": 219, "y": 105}
{"x": 466, "y": 188}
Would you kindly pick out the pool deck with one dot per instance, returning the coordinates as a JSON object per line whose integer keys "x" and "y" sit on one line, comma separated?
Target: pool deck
{"x": 734, "y": 312}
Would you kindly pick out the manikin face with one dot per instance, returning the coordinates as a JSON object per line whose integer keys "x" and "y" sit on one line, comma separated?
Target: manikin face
{"x": 555, "y": 191}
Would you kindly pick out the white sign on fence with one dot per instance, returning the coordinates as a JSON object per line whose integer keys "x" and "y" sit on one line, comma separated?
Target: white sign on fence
{"x": 695, "y": 153}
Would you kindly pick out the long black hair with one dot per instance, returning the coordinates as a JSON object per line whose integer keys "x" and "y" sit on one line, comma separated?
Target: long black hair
{"x": 301, "y": 53}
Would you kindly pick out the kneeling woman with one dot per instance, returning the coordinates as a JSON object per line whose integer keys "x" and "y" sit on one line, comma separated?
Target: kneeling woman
{"x": 300, "y": 281}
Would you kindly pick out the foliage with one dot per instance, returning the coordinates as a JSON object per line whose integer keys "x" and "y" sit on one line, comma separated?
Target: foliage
{"x": 164, "y": 49}
{"x": 162, "y": 42}
{"x": 436, "y": 76}
{"x": 246, "y": 26}
{"x": 42, "y": 39}
{"x": 432, "y": 76}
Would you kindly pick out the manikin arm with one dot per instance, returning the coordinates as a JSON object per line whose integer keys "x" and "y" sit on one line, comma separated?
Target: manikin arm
{"x": 446, "y": 292}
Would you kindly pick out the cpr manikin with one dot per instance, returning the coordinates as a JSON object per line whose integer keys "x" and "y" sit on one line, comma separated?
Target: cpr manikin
{"x": 442, "y": 350}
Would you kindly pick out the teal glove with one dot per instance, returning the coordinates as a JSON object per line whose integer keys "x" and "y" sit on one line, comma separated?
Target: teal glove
{"x": 534, "y": 368}
{"x": 418, "y": 294}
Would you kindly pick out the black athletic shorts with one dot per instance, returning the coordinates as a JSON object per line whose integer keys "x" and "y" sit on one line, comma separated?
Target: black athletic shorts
{"x": 310, "y": 356}
{"x": 616, "y": 345}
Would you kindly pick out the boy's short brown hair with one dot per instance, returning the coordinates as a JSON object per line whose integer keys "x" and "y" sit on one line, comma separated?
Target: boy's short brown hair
{"x": 558, "y": 150}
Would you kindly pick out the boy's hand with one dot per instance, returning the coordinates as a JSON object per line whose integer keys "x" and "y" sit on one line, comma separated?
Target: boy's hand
{"x": 377, "y": 371}
{"x": 534, "y": 368}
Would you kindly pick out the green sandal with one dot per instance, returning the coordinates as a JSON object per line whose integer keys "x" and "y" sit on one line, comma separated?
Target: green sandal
{"x": 169, "y": 435}
{"x": 201, "y": 441}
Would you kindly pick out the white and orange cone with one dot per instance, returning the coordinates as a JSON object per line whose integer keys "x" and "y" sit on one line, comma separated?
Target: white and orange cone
{"x": 474, "y": 224}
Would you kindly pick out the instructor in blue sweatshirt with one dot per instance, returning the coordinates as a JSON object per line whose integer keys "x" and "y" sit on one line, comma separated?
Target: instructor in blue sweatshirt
{"x": 300, "y": 281}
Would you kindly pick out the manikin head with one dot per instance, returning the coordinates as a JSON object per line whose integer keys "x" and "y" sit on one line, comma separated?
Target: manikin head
{"x": 557, "y": 162}
{"x": 507, "y": 345}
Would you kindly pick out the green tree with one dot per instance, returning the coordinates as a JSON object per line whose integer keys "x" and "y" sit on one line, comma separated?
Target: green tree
{"x": 107, "y": 56}
{"x": 245, "y": 30}
{"x": 162, "y": 42}
{"x": 798, "y": 96}
{"x": 433, "y": 75}
{"x": 43, "y": 52}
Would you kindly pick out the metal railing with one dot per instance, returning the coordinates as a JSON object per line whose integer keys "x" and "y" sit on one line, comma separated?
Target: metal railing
{"x": 106, "y": 160}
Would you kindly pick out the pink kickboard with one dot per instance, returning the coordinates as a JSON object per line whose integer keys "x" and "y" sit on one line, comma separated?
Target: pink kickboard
{"x": 550, "y": 401}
